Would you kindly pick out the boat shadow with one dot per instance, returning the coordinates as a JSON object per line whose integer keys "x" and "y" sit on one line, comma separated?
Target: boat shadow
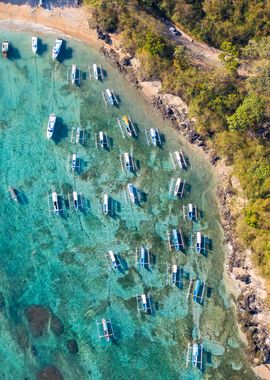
{"x": 60, "y": 132}
{"x": 14, "y": 53}
{"x": 65, "y": 52}
{"x": 22, "y": 198}
{"x": 42, "y": 47}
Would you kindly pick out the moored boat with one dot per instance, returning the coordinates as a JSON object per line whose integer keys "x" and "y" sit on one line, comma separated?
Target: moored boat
{"x": 57, "y": 48}
{"x": 198, "y": 242}
{"x": 75, "y": 200}
{"x": 5, "y": 47}
{"x": 110, "y": 97}
{"x": 73, "y": 74}
{"x": 105, "y": 329}
{"x": 13, "y": 193}
{"x": 113, "y": 259}
{"x": 154, "y": 134}
{"x": 34, "y": 44}
{"x": 131, "y": 192}
{"x": 105, "y": 205}
{"x": 126, "y": 124}
{"x": 55, "y": 202}
{"x": 51, "y": 125}
{"x": 95, "y": 71}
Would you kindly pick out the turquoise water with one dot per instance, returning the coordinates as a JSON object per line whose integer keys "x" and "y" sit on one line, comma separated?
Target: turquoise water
{"x": 59, "y": 262}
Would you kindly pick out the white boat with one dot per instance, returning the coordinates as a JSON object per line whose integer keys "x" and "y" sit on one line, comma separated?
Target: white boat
{"x": 177, "y": 186}
{"x": 51, "y": 125}
{"x": 198, "y": 242}
{"x": 75, "y": 200}
{"x": 105, "y": 330}
{"x": 154, "y": 136}
{"x": 55, "y": 202}
{"x": 174, "y": 273}
{"x": 34, "y": 44}
{"x": 78, "y": 135}
{"x": 102, "y": 139}
{"x": 131, "y": 192}
{"x": 110, "y": 97}
{"x": 13, "y": 193}
{"x": 73, "y": 74}
{"x": 144, "y": 302}
{"x": 95, "y": 71}
{"x": 105, "y": 206}
{"x": 178, "y": 159}
{"x": 128, "y": 162}
{"x": 5, "y": 47}
{"x": 57, "y": 48}
{"x": 113, "y": 258}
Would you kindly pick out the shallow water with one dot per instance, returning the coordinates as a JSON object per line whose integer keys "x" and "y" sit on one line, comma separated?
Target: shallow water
{"x": 59, "y": 261}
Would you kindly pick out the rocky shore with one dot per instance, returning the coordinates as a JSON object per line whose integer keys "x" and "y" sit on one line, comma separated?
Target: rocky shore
{"x": 252, "y": 310}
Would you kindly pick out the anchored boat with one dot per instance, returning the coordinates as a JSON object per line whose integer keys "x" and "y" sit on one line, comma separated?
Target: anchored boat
{"x": 34, "y": 44}
{"x": 55, "y": 202}
{"x": 74, "y": 162}
{"x": 198, "y": 242}
{"x": 73, "y": 74}
{"x": 126, "y": 124}
{"x": 105, "y": 205}
{"x": 131, "y": 192}
{"x": 57, "y": 48}
{"x": 95, "y": 71}
{"x": 113, "y": 259}
{"x": 105, "y": 330}
{"x": 51, "y": 125}
{"x": 13, "y": 193}
{"x": 154, "y": 134}
{"x": 110, "y": 97}
{"x": 128, "y": 162}
{"x": 75, "y": 200}
{"x": 5, "y": 47}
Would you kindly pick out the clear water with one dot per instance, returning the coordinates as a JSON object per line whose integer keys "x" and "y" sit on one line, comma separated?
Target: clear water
{"x": 59, "y": 261}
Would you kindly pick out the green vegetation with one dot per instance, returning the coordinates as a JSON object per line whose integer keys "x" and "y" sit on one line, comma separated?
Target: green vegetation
{"x": 231, "y": 110}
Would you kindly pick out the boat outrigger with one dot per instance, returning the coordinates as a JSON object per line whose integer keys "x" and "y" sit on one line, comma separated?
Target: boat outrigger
{"x": 13, "y": 193}
{"x": 51, "y": 125}
{"x": 34, "y": 44}
{"x": 195, "y": 355}
{"x": 5, "y": 47}
{"x": 107, "y": 329}
{"x": 57, "y": 48}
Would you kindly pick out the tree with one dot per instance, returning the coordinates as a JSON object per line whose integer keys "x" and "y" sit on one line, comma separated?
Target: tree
{"x": 248, "y": 114}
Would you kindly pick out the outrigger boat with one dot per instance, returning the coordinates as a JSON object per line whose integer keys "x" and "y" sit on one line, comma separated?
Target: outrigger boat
{"x": 13, "y": 193}
{"x": 126, "y": 124}
{"x": 73, "y": 74}
{"x": 105, "y": 329}
{"x": 154, "y": 134}
{"x": 34, "y": 44}
{"x": 5, "y": 47}
{"x": 198, "y": 293}
{"x": 192, "y": 212}
{"x": 113, "y": 259}
{"x": 175, "y": 240}
{"x": 110, "y": 97}
{"x": 131, "y": 192}
{"x": 57, "y": 48}
{"x": 105, "y": 205}
{"x": 174, "y": 274}
{"x": 95, "y": 71}
{"x": 74, "y": 162}
{"x": 195, "y": 355}
{"x": 128, "y": 162}
{"x": 144, "y": 257}
{"x": 78, "y": 135}
{"x": 51, "y": 125}
{"x": 55, "y": 202}
{"x": 198, "y": 242}
{"x": 177, "y": 187}
{"x": 103, "y": 140}
{"x": 75, "y": 200}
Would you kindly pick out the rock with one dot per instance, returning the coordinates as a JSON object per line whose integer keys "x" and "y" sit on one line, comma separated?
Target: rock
{"x": 38, "y": 318}
{"x": 49, "y": 373}
{"x": 72, "y": 346}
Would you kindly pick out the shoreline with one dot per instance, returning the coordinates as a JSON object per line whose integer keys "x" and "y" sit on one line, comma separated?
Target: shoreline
{"x": 238, "y": 271}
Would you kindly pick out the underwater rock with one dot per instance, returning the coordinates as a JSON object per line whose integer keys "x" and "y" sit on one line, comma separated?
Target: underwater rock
{"x": 72, "y": 346}
{"x": 38, "y": 318}
{"x": 49, "y": 373}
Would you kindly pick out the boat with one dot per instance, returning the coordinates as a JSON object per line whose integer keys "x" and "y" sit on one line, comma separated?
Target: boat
{"x": 5, "y": 47}
{"x": 78, "y": 135}
{"x": 102, "y": 139}
{"x": 142, "y": 257}
{"x": 131, "y": 192}
{"x": 174, "y": 273}
{"x": 126, "y": 124}
{"x": 34, "y": 44}
{"x": 105, "y": 205}
{"x": 175, "y": 239}
{"x": 75, "y": 200}
{"x": 57, "y": 48}
{"x": 73, "y": 74}
{"x": 198, "y": 242}
{"x": 113, "y": 258}
{"x": 128, "y": 162}
{"x": 95, "y": 71}
{"x": 154, "y": 134}
{"x": 74, "y": 161}
{"x": 105, "y": 329}
{"x": 51, "y": 125}
{"x": 177, "y": 187}
{"x": 13, "y": 193}
{"x": 55, "y": 202}
{"x": 198, "y": 293}
{"x": 144, "y": 303}
{"x": 110, "y": 97}
{"x": 178, "y": 159}
{"x": 192, "y": 213}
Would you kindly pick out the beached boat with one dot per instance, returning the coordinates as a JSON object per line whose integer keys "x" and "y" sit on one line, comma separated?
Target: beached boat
{"x": 126, "y": 124}
{"x": 57, "y": 48}
{"x": 51, "y": 125}
{"x": 131, "y": 192}
{"x": 5, "y": 47}
{"x": 34, "y": 44}
{"x": 73, "y": 74}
